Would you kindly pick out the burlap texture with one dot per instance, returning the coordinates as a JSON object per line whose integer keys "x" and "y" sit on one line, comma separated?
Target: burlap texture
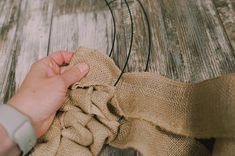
{"x": 145, "y": 111}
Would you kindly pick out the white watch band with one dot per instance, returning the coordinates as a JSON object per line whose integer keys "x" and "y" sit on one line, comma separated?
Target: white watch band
{"x": 18, "y": 127}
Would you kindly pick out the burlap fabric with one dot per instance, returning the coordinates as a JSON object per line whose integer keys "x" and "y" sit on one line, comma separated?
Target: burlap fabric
{"x": 145, "y": 111}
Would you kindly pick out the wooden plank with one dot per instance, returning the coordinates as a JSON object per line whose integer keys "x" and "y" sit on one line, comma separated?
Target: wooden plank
{"x": 75, "y": 27}
{"x": 32, "y": 35}
{"x": 226, "y": 9}
{"x": 78, "y": 23}
{"x": 9, "y": 12}
{"x": 27, "y": 40}
{"x": 189, "y": 42}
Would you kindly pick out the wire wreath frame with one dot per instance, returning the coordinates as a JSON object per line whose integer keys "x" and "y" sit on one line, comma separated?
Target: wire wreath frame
{"x": 132, "y": 36}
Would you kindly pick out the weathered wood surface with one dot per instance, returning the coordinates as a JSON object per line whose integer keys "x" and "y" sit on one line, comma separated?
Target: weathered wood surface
{"x": 226, "y": 10}
{"x": 193, "y": 40}
{"x": 9, "y": 12}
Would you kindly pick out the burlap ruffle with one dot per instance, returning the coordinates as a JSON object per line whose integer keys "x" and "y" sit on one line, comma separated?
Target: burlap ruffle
{"x": 145, "y": 111}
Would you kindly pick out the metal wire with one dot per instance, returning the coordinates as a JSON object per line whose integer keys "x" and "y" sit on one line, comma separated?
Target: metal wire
{"x": 132, "y": 36}
{"x": 131, "y": 43}
{"x": 114, "y": 28}
{"x": 206, "y": 142}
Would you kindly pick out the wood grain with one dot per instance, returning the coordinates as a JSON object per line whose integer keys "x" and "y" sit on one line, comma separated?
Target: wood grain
{"x": 189, "y": 42}
{"x": 226, "y": 10}
{"x": 192, "y": 40}
{"x": 72, "y": 28}
{"x": 32, "y": 35}
{"x": 9, "y": 13}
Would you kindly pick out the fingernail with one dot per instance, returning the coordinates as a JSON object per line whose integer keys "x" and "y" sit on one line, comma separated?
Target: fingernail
{"x": 83, "y": 67}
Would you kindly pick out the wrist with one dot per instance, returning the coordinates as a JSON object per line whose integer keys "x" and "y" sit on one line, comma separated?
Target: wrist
{"x": 22, "y": 106}
{"x": 22, "y": 110}
{"x": 25, "y": 108}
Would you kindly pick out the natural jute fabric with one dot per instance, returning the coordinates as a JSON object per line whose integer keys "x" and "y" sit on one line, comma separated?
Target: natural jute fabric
{"x": 145, "y": 111}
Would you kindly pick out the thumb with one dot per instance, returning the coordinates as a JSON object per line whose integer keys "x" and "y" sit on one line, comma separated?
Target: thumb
{"x": 75, "y": 74}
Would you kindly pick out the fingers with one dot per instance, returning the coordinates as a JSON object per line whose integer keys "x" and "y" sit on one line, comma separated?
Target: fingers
{"x": 75, "y": 74}
{"x": 62, "y": 57}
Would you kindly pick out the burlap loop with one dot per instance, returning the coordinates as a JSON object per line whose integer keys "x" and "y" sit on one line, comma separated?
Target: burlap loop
{"x": 145, "y": 111}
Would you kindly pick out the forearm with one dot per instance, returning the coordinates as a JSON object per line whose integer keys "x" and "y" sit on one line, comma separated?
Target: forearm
{"x": 7, "y": 146}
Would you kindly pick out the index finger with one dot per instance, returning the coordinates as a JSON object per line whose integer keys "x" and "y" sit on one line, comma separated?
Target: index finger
{"x": 62, "y": 57}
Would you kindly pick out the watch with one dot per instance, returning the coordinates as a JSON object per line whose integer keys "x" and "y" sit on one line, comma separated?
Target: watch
{"x": 19, "y": 127}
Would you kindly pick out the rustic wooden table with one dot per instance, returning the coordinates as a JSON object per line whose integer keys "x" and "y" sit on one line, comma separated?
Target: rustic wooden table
{"x": 192, "y": 40}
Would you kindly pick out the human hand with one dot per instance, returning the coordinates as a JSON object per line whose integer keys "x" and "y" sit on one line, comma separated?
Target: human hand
{"x": 44, "y": 89}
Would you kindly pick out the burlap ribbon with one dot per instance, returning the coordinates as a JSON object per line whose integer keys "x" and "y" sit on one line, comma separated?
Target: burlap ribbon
{"x": 145, "y": 111}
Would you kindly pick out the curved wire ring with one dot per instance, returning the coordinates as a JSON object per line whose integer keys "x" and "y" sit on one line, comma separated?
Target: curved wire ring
{"x": 149, "y": 44}
{"x": 131, "y": 43}
{"x": 132, "y": 36}
{"x": 114, "y": 27}
{"x": 208, "y": 144}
